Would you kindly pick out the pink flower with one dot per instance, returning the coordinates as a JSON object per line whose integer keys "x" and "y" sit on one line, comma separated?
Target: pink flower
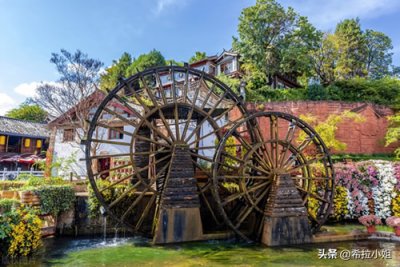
{"x": 393, "y": 221}
{"x": 369, "y": 220}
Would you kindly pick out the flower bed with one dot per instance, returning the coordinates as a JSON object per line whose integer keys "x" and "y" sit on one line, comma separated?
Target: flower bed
{"x": 369, "y": 187}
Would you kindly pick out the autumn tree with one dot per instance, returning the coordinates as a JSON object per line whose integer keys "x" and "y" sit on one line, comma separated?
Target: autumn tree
{"x": 28, "y": 112}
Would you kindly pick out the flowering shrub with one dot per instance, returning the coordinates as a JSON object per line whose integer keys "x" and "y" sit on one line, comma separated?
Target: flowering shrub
{"x": 19, "y": 232}
{"x": 384, "y": 192}
{"x": 340, "y": 203}
{"x": 393, "y": 221}
{"x": 369, "y": 220}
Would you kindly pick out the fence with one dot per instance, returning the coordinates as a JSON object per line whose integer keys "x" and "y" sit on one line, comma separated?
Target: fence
{"x": 11, "y": 175}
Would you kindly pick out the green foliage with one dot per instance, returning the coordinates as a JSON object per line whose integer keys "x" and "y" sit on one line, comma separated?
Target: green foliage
{"x": 197, "y": 56}
{"x": 34, "y": 181}
{"x": 275, "y": 40}
{"x": 152, "y": 59}
{"x": 393, "y": 132}
{"x": 270, "y": 94}
{"x": 316, "y": 92}
{"x": 361, "y": 157}
{"x": 9, "y": 185}
{"x": 28, "y": 112}
{"x": 378, "y": 57}
{"x": 8, "y": 204}
{"x": 327, "y": 129}
{"x": 232, "y": 83}
{"x": 351, "y": 45}
{"x": 116, "y": 71}
{"x": 109, "y": 195}
{"x": 55, "y": 198}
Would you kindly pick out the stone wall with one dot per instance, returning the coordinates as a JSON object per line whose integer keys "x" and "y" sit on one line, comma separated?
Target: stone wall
{"x": 361, "y": 138}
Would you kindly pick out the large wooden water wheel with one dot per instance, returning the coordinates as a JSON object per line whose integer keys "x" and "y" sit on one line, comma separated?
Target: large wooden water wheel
{"x": 245, "y": 168}
{"x": 153, "y": 138}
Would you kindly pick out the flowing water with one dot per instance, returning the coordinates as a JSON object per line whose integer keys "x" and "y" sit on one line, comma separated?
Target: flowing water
{"x": 139, "y": 252}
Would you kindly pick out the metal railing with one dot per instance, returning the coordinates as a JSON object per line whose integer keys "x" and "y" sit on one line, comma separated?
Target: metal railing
{"x": 11, "y": 175}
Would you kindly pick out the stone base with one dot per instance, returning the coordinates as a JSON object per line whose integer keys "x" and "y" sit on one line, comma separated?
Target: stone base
{"x": 279, "y": 231}
{"x": 178, "y": 225}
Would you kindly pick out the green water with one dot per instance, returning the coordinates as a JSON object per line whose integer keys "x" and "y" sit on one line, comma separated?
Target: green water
{"x": 134, "y": 252}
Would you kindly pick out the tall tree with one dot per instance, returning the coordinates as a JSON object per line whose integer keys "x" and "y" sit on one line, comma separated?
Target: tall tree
{"x": 378, "y": 55}
{"x": 325, "y": 59}
{"x": 28, "y": 112}
{"x": 352, "y": 50}
{"x": 117, "y": 70}
{"x": 197, "y": 56}
{"x": 79, "y": 77}
{"x": 276, "y": 40}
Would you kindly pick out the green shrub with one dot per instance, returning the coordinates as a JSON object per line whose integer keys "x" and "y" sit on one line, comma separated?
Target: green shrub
{"x": 9, "y": 185}
{"x": 7, "y": 205}
{"x": 55, "y": 198}
{"x": 34, "y": 181}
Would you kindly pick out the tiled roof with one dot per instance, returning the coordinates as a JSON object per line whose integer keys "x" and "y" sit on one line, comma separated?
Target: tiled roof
{"x": 17, "y": 127}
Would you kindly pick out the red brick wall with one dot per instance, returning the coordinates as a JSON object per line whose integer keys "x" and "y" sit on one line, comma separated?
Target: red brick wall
{"x": 361, "y": 138}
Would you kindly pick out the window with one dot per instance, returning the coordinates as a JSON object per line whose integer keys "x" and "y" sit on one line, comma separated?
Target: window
{"x": 27, "y": 142}
{"x": 115, "y": 133}
{"x": 2, "y": 140}
{"x": 38, "y": 143}
{"x": 68, "y": 135}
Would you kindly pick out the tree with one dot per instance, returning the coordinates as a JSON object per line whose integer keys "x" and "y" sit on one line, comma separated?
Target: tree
{"x": 28, "y": 112}
{"x": 79, "y": 77}
{"x": 352, "y": 50}
{"x": 152, "y": 59}
{"x": 325, "y": 59}
{"x": 378, "y": 57}
{"x": 393, "y": 132}
{"x": 197, "y": 56}
{"x": 117, "y": 70}
{"x": 275, "y": 40}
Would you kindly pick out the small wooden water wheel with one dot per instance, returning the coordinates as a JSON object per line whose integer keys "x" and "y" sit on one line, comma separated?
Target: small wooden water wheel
{"x": 152, "y": 141}
{"x": 244, "y": 170}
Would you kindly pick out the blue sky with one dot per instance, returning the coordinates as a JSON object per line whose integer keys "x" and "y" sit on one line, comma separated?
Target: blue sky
{"x": 30, "y": 30}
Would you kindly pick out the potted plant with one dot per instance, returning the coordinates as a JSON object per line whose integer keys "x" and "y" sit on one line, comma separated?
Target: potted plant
{"x": 370, "y": 221}
{"x": 394, "y": 222}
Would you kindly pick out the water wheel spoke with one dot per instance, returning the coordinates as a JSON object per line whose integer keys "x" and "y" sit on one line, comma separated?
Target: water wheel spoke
{"x": 112, "y": 169}
{"x": 145, "y": 212}
{"x": 310, "y": 194}
{"x": 243, "y": 215}
{"x": 241, "y": 194}
{"x": 208, "y": 116}
{"x": 147, "y": 123}
{"x": 122, "y": 196}
{"x": 109, "y": 156}
{"x": 160, "y": 87}
{"x": 140, "y": 137}
{"x": 307, "y": 163}
{"x": 210, "y": 92}
{"x": 274, "y": 134}
{"x": 134, "y": 204}
{"x": 102, "y": 125}
{"x": 288, "y": 141}
{"x": 126, "y": 177}
{"x": 119, "y": 116}
{"x": 256, "y": 177}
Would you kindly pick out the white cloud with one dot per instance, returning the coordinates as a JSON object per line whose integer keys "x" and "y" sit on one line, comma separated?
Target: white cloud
{"x": 165, "y": 4}
{"x": 326, "y": 15}
{"x": 6, "y": 103}
{"x": 29, "y": 89}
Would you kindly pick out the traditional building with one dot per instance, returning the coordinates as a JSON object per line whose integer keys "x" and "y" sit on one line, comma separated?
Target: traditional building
{"x": 227, "y": 63}
{"x": 21, "y": 143}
